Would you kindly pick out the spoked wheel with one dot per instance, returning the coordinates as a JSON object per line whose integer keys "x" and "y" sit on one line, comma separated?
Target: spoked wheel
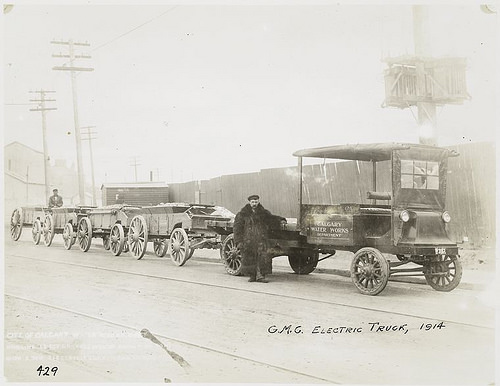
{"x": 369, "y": 271}
{"x": 125, "y": 245}
{"x": 105, "y": 242}
{"x": 84, "y": 234}
{"x": 160, "y": 246}
{"x": 16, "y": 224}
{"x": 179, "y": 247}
{"x": 231, "y": 256}
{"x": 443, "y": 273}
{"x": 138, "y": 236}
{"x": 48, "y": 230}
{"x": 303, "y": 263}
{"x": 117, "y": 239}
{"x": 69, "y": 236}
{"x": 36, "y": 232}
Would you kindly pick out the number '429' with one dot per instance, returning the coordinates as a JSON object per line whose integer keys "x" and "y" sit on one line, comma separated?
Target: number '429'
{"x": 47, "y": 371}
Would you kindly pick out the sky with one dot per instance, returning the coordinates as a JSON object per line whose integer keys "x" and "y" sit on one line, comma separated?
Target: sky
{"x": 192, "y": 92}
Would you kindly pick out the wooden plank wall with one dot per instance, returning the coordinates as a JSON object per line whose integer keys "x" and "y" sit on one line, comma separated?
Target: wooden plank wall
{"x": 470, "y": 195}
{"x": 136, "y": 195}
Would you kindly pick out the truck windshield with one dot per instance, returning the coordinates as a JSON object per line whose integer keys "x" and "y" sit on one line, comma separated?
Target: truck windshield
{"x": 417, "y": 174}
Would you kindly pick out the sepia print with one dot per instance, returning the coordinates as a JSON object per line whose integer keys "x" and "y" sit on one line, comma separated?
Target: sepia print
{"x": 250, "y": 192}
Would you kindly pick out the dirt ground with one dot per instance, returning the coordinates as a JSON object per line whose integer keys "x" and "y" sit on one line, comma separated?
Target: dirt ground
{"x": 220, "y": 324}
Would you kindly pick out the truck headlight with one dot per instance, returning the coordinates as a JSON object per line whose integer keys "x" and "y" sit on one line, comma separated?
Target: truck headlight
{"x": 404, "y": 216}
{"x": 446, "y": 217}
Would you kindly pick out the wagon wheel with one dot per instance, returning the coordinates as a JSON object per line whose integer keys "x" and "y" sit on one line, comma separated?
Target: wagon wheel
{"x": 303, "y": 263}
{"x": 138, "y": 236}
{"x": 16, "y": 224}
{"x": 117, "y": 239}
{"x": 443, "y": 273}
{"x": 36, "y": 231}
{"x": 125, "y": 245}
{"x": 179, "y": 247}
{"x": 160, "y": 246}
{"x": 191, "y": 253}
{"x": 84, "y": 234}
{"x": 105, "y": 242}
{"x": 231, "y": 256}
{"x": 68, "y": 236}
{"x": 48, "y": 230}
{"x": 369, "y": 271}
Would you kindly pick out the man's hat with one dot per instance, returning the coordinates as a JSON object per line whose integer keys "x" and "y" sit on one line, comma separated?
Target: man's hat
{"x": 253, "y": 197}
{"x": 55, "y": 190}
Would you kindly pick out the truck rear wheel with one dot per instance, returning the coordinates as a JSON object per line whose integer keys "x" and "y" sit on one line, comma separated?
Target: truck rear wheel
{"x": 303, "y": 263}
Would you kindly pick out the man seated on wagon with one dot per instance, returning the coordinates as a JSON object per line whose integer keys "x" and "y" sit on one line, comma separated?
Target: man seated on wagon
{"x": 55, "y": 201}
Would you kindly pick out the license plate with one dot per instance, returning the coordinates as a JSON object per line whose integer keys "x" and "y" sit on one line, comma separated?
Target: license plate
{"x": 440, "y": 251}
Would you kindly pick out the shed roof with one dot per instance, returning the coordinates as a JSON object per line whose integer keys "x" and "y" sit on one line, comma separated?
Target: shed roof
{"x": 134, "y": 185}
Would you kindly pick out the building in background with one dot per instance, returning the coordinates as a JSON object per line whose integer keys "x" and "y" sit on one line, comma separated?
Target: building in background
{"x": 24, "y": 180}
{"x": 135, "y": 193}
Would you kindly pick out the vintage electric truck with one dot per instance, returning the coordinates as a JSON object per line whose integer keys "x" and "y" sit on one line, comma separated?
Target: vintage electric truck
{"x": 408, "y": 222}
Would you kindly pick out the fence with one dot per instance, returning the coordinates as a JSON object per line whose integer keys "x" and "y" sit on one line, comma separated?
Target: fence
{"x": 470, "y": 194}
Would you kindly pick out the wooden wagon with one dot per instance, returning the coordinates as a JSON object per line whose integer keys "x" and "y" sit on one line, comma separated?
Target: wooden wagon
{"x": 180, "y": 227}
{"x": 111, "y": 223}
{"x": 63, "y": 220}
{"x": 27, "y": 216}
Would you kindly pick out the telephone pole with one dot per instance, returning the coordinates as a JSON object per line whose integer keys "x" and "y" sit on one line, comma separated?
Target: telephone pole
{"x": 135, "y": 164}
{"x": 424, "y": 81}
{"x": 42, "y": 108}
{"x": 427, "y": 117}
{"x": 89, "y": 137}
{"x": 74, "y": 70}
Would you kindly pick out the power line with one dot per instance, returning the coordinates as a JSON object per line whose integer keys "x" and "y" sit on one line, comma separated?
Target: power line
{"x": 134, "y": 29}
{"x": 83, "y": 56}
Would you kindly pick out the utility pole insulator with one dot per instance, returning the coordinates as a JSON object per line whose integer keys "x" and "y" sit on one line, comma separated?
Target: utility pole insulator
{"x": 67, "y": 56}
{"x": 64, "y": 68}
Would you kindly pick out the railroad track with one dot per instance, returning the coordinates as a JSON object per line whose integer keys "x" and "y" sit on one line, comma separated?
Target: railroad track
{"x": 172, "y": 339}
{"x": 151, "y": 275}
{"x": 248, "y": 290}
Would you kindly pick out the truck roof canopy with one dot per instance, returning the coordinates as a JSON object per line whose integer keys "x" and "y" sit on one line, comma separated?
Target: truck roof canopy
{"x": 365, "y": 152}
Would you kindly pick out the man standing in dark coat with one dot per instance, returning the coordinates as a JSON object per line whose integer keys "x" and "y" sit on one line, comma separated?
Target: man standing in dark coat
{"x": 251, "y": 231}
